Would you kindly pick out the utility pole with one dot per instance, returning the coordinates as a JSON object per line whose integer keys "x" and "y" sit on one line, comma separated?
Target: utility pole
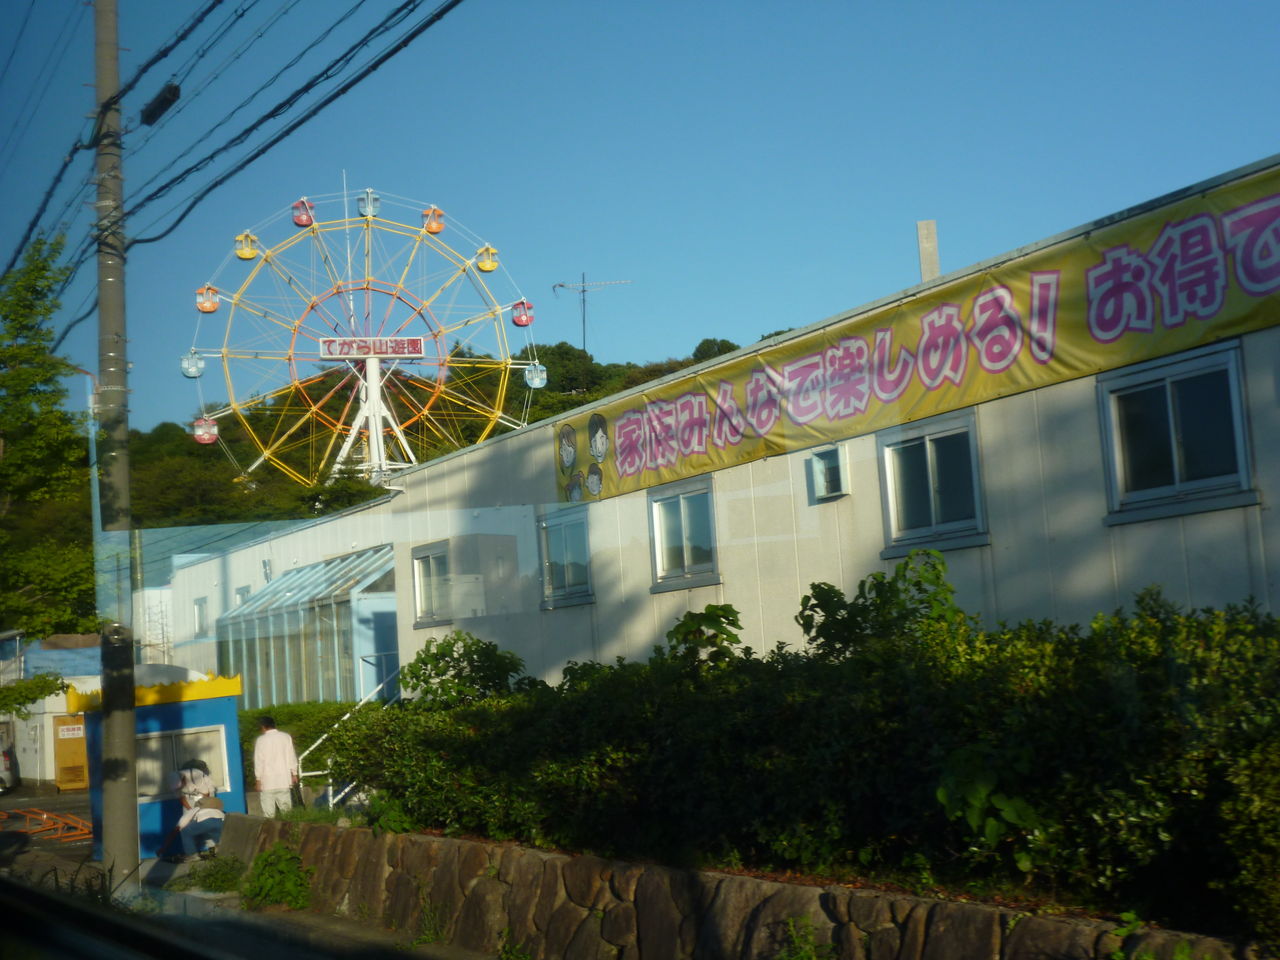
{"x": 583, "y": 287}
{"x": 119, "y": 745}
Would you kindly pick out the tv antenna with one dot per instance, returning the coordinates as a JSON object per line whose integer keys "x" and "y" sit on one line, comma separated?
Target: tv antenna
{"x": 582, "y": 287}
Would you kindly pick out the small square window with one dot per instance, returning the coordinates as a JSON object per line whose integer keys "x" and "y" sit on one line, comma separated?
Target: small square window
{"x": 930, "y": 476}
{"x": 828, "y": 474}
{"x": 431, "y": 584}
{"x": 1174, "y": 434}
{"x": 566, "y": 558}
{"x": 682, "y": 533}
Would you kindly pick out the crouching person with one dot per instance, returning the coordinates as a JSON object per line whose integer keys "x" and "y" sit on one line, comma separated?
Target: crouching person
{"x": 200, "y": 825}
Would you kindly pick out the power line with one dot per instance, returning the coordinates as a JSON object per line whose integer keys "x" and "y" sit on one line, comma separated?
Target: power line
{"x": 341, "y": 91}
{"x": 284, "y": 105}
{"x": 78, "y": 145}
{"x": 17, "y": 40}
{"x": 207, "y": 84}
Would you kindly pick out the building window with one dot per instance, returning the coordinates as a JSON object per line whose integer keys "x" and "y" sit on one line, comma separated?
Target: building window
{"x": 160, "y": 756}
{"x": 682, "y": 531}
{"x": 242, "y": 595}
{"x": 1175, "y": 436}
{"x": 431, "y": 584}
{"x": 930, "y": 475}
{"x": 200, "y": 613}
{"x": 828, "y": 476}
{"x": 566, "y": 559}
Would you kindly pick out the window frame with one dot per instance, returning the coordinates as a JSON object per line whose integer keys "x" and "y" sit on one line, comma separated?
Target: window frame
{"x": 822, "y": 464}
{"x": 1182, "y": 497}
{"x": 690, "y": 575}
{"x": 166, "y": 741}
{"x": 439, "y": 613}
{"x": 945, "y": 535}
{"x": 200, "y": 616}
{"x": 563, "y": 520}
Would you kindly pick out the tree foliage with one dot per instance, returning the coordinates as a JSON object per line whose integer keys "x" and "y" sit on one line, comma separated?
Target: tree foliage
{"x": 17, "y": 695}
{"x": 1130, "y": 762}
{"x": 46, "y": 575}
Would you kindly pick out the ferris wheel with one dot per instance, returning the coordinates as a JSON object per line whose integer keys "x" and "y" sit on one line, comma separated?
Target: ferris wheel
{"x": 363, "y": 343}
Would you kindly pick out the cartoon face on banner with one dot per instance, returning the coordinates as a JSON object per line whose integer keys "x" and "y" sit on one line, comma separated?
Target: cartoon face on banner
{"x": 598, "y": 437}
{"x": 568, "y": 447}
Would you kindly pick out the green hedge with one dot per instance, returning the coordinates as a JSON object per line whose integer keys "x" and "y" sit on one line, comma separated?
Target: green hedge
{"x": 1133, "y": 761}
{"x": 305, "y": 722}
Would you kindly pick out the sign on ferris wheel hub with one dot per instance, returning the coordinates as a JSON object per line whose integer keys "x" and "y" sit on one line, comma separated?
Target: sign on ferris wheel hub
{"x": 356, "y": 338}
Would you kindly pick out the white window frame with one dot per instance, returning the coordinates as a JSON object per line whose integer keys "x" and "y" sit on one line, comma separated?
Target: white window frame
{"x": 945, "y": 535}
{"x": 200, "y": 616}
{"x": 826, "y": 470}
{"x": 1182, "y": 496}
{"x": 685, "y": 496}
{"x": 171, "y": 754}
{"x": 434, "y": 607}
{"x": 562, "y": 527}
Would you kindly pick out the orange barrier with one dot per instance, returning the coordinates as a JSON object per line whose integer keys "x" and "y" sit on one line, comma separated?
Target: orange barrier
{"x": 65, "y": 827}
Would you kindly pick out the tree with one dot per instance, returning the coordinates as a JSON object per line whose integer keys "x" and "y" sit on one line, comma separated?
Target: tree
{"x": 46, "y": 561}
{"x": 17, "y": 695}
{"x": 712, "y": 347}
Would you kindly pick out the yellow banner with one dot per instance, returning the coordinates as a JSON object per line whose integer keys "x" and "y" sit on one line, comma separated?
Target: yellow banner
{"x": 1193, "y": 271}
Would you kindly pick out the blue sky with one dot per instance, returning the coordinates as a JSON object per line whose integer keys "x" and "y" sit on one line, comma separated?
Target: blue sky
{"x": 748, "y": 166}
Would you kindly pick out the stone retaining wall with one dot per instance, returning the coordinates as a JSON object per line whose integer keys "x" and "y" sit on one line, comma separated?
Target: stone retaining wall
{"x": 587, "y": 908}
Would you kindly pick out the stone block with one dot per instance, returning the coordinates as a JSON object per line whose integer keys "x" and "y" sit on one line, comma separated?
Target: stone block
{"x": 870, "y": 911}
{"x": 724, "y": 923}
{"x": 1042, "y": 938}
{"x": 850, "y": 942}
{"x": 618, "y": 926}
{"x": 351, "y": 847}
{"x": 767, "y": 931}
{"x": 623, "y": 878}
{"x": 483, "y": 917}
{"x": 367, "y": 893}
{"x": 561, "y": 927}
{"x": 240, "y": 837}
{"x": 550, "y": 893}
{"x": 522, "y": 871}
{"x": 403, "y": 902}
{"x": 583, "y": 879}
{"x": 473, "y": 862}
{"x": 913, "y": 930}
{"x": 966, "y": 930}
{"x": 657, "y": 919}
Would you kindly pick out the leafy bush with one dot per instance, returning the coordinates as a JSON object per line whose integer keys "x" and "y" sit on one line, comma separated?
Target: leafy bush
{"x": 219, "y": 875}
{"x": 1131, "y": 760}
{"x": 277, "y": 876}
{"x": 458, "y": 669}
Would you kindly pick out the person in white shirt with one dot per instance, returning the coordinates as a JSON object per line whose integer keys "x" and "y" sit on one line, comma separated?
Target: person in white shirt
{"x": 275, "y": 765}
{"x": 200, "y": 825}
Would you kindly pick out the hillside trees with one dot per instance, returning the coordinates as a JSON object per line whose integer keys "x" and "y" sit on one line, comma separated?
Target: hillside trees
{"x": 46, "y": 568}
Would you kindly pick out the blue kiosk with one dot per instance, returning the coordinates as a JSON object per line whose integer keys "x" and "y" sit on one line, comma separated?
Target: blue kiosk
{"x": 177, "y": 720}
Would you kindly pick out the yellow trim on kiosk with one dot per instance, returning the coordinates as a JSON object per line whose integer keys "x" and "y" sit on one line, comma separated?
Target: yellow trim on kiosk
{"x": 180, "y": 692}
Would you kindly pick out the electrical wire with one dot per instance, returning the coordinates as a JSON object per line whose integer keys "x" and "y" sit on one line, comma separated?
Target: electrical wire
{"x": 186, "y": 30}
{"x": 56, "y": 53}
{"x": 17, "y": 40}
{"x": 207, "y": 84}
{"x": 332, "y": 68}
